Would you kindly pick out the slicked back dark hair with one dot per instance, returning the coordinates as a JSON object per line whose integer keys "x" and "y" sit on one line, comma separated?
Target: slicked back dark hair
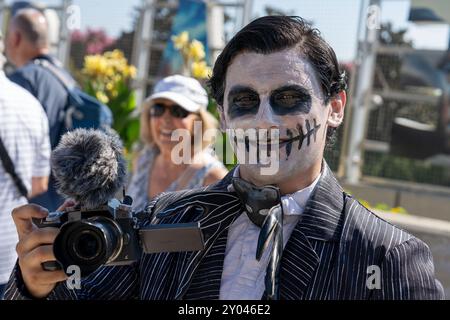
{"x": 275, "y": 33}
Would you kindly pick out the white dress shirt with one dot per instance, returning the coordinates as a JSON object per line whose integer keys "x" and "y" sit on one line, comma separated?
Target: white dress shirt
{"x": 243, "y": 275}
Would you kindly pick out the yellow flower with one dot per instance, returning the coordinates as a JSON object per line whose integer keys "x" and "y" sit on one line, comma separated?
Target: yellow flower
{"x": 117, "y": 77}
{"x": 181, "y": 40}
{"x": 133, "y": 71}
{"x": 101, "y": 96}
{"x": 109, "y": 86}
{"x": 115, "y": 54}
{"x": 196, "y": 50}
{"x": 95, "y": 65}
{"x": 105, "y": 72}
{"x": 130, "y": 71}
{"x": 114, "y": 64}
{"x": 200, "y": 70}
{"x": 398, "y": 210}
{"x": 109, "y": 72}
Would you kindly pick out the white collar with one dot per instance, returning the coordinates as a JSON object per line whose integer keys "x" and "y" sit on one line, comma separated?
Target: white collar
{"x": 293, "y": 203}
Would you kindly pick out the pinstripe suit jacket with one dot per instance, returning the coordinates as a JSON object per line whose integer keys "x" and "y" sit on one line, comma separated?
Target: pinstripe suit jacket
{"x": 338, "y": 250}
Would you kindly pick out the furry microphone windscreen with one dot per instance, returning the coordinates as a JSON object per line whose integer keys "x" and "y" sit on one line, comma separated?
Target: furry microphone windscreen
{"x": 89, "y": 167}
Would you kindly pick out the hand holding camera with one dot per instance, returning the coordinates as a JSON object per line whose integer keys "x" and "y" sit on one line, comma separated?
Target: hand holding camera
{"x": 94, "y": 229}
{"x": 35, "y": 247}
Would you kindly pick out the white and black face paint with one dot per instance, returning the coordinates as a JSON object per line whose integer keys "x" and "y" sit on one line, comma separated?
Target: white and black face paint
{"x": 276, "y": 91}
{"x": 289, "y": 99}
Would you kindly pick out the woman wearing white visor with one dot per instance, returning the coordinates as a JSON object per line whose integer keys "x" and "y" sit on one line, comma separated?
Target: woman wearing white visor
{"x": 177, "y": 103}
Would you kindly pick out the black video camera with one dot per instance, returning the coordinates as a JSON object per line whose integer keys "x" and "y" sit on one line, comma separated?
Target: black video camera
{"x": 111, "y": 235}
{"x": 101, "y": 230}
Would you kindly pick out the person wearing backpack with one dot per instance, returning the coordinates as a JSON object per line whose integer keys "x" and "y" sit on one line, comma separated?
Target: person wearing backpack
{"x": 66, "y": 106}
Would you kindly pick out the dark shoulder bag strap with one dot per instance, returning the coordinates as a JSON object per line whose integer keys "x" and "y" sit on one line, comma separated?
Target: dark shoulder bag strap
{"x": 9, "y": 168}
{"x": 68, "y": 83}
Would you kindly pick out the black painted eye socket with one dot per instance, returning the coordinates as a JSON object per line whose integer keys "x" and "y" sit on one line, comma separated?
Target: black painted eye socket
{"x": 246, "y": 101}
{"x": 287, "y": 99}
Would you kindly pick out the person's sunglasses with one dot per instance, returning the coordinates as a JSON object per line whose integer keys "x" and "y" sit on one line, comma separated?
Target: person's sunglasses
{"x": 158, "y": 109}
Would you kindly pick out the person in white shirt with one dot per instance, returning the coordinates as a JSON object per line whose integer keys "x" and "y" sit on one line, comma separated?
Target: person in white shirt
{"x": 24, "y": 132}
{"x": 288, "y": 234}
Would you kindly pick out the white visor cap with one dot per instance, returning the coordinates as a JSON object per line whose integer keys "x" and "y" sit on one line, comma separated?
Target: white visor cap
{"x": 184, "y": 91}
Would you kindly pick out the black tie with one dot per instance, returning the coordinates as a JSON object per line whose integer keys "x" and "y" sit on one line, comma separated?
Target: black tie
{"x": 263, "y": 207}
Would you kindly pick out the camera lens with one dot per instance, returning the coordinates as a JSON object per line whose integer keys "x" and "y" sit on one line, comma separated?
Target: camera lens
{"x": 87, "y": 246}
{"x": 88, "y": 243}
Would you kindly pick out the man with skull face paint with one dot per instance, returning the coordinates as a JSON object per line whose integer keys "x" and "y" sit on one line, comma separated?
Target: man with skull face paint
{"x": 292, "y": 234}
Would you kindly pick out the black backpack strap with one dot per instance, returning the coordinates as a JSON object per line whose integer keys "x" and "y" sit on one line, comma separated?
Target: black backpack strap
{"x": 9, "y": 168}
{"x": 68, "y": 83}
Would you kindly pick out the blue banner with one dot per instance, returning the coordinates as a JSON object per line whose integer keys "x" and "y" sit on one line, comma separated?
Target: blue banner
{"x": 190, "y": 17}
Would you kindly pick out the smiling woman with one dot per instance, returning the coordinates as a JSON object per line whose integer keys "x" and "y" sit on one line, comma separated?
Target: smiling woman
{"x": 178, "y": 102}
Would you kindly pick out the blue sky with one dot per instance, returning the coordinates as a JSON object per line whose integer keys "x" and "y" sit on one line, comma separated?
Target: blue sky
{"x": 336, "y": 19}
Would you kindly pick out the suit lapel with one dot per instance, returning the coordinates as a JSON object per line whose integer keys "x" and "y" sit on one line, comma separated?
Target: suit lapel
{"x": 207, "y": 278}
{"x": 224, "y": 208}
{"x": 322, "y": 221}
{"x": 213, "y": 227}
{"x": 322, "y": 218}
{"x": 298, "y": 267}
